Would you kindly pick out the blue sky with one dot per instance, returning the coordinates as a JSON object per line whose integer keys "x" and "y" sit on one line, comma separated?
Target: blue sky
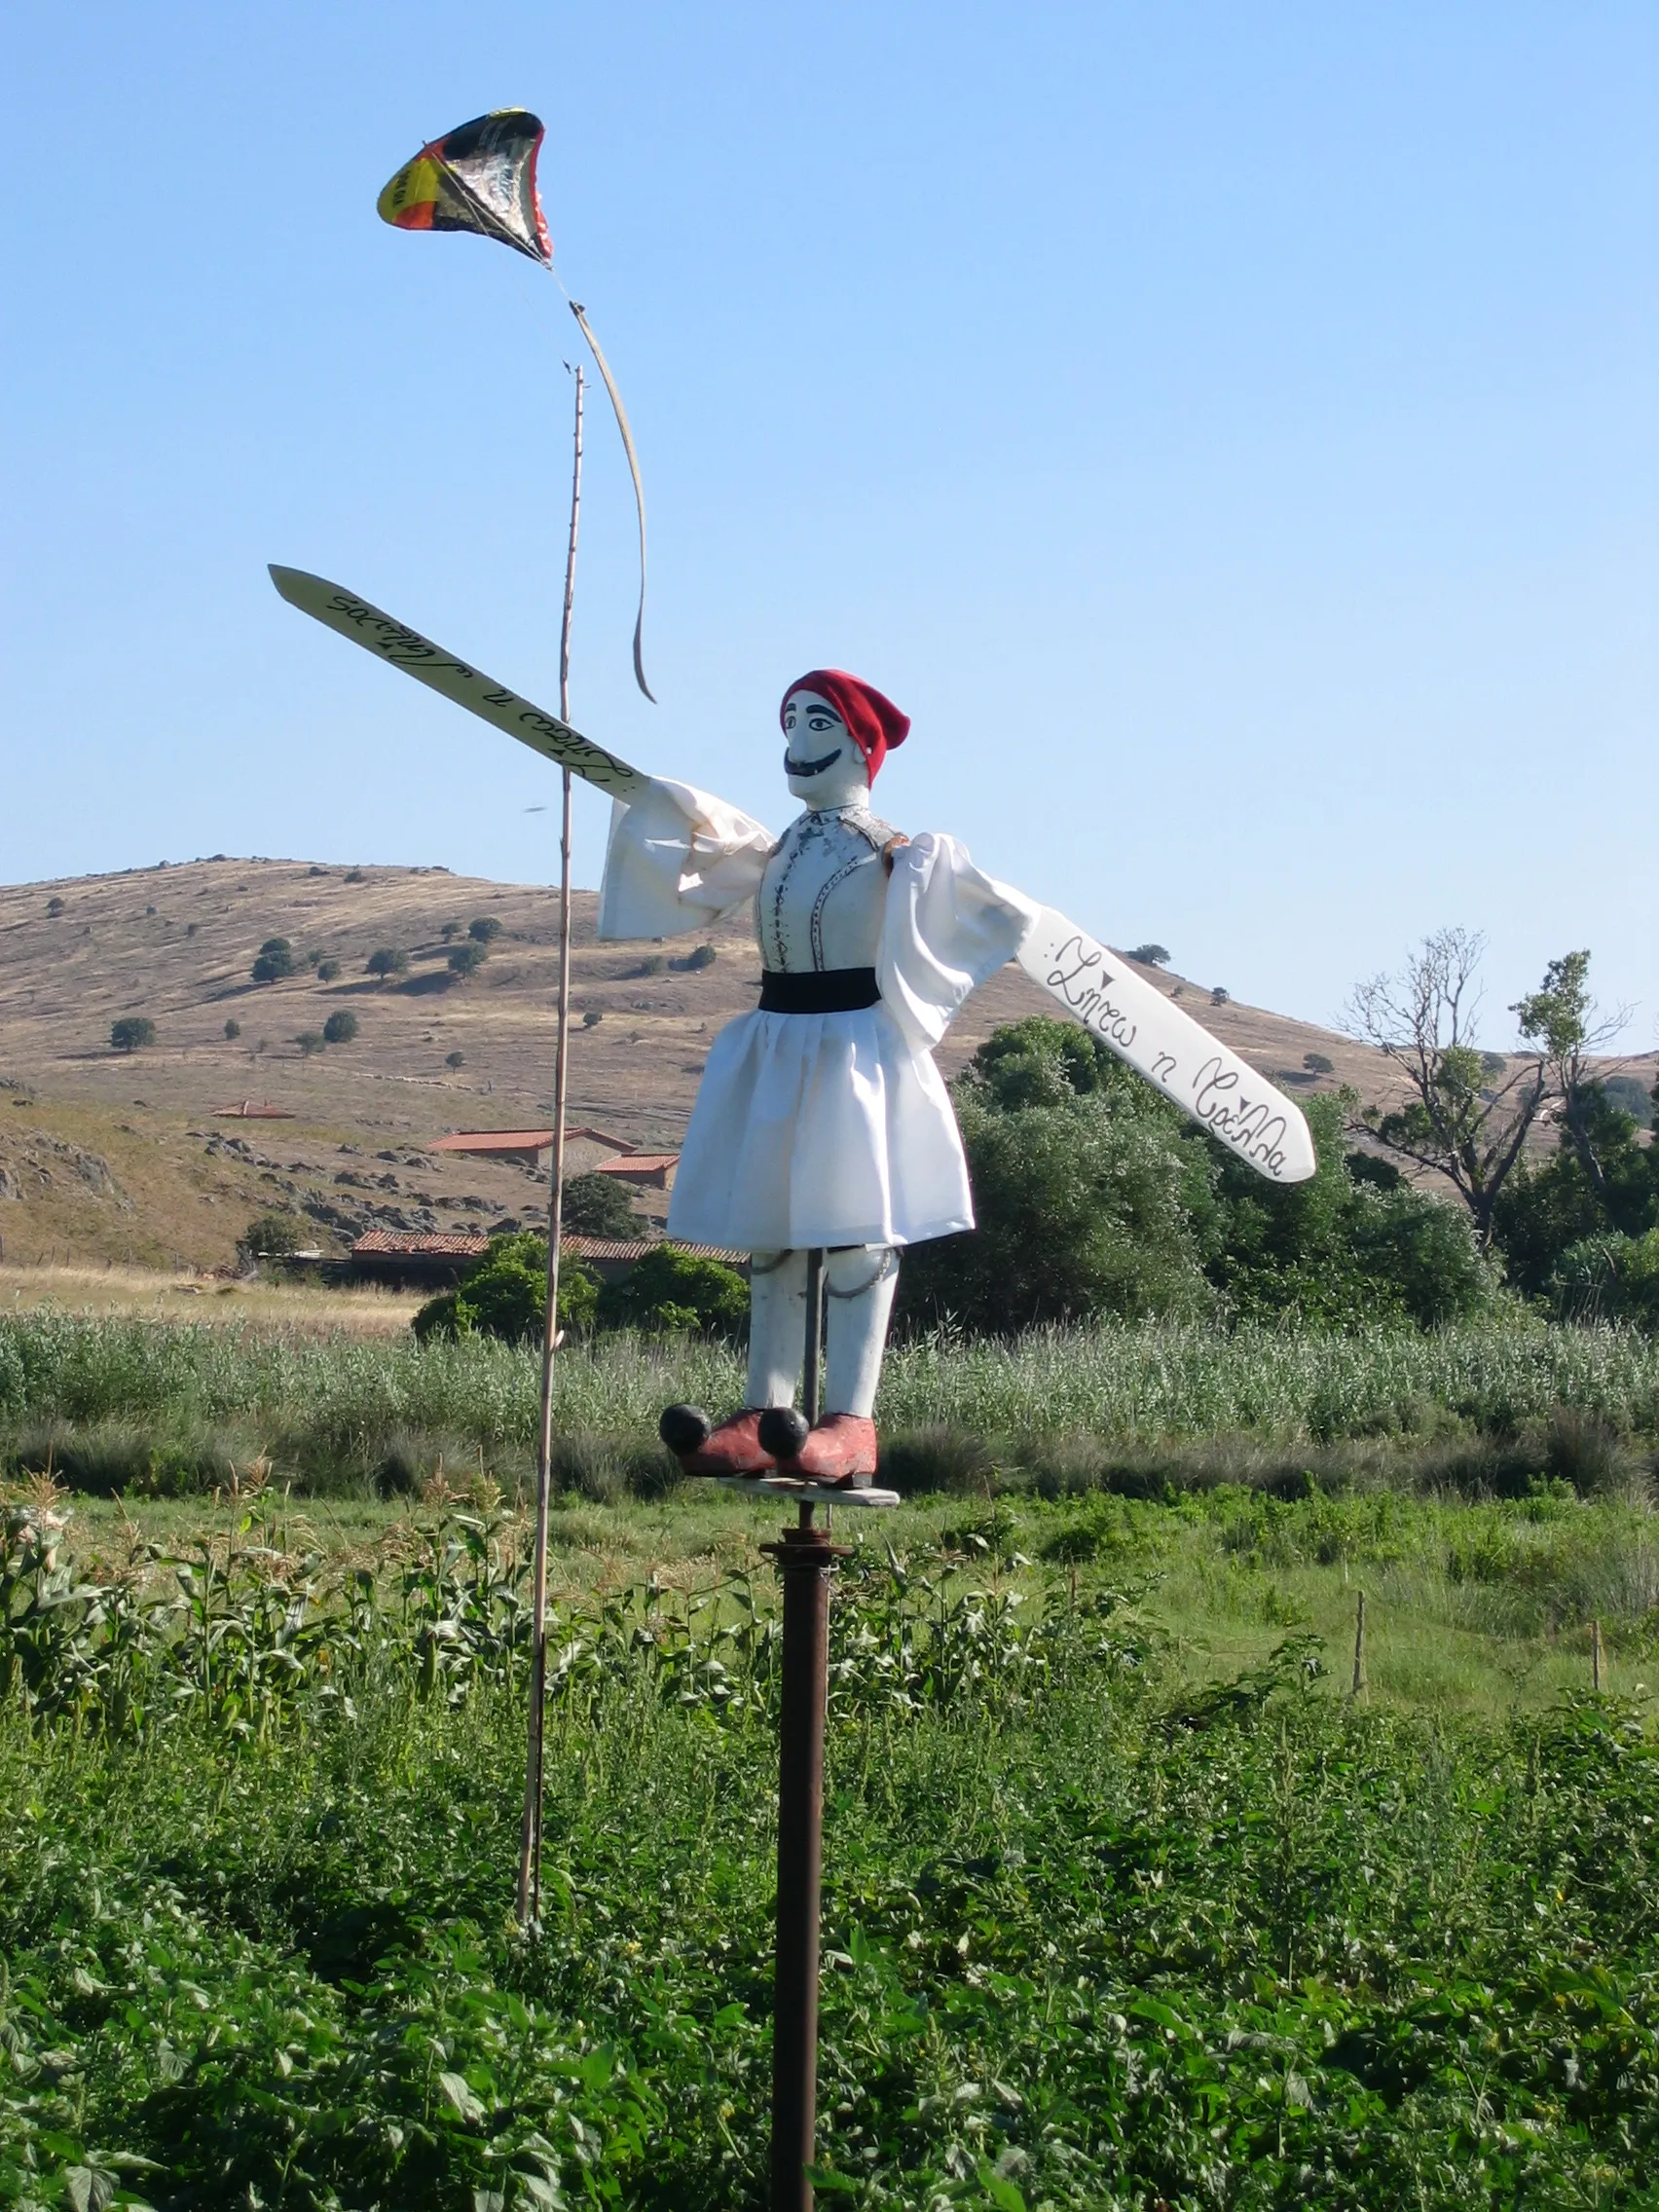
{"x": 1228, "y": 430}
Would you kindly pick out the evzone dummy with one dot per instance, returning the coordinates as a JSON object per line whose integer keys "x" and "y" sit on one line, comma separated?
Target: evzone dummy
{"x": 821, "y": 1121}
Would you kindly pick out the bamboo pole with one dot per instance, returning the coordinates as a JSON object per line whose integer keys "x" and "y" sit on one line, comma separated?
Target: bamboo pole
{"x": 530, "y": 1835}
{"x": 1597, "y": 1661}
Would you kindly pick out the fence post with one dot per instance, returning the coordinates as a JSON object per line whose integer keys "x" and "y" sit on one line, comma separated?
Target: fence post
{"x": 1595, "y": 1663}
{"x": 1360, "y": 1683}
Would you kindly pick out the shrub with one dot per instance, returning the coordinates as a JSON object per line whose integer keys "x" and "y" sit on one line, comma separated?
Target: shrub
{"x": 1609, "y": 1278}
{"x": 310, "y": 1041}
{"x": 54, "y": 908}
{"x": 339, "y": 1028}
{"x": 598, "y": 1205}
{"x": 273, "y": 967}
{"x": 232, "y": 1030}
{"x": 671, "y": 1290}
{"x": 467, "y": 959}
{"x": 591, "y": 1018}
{"x": 386, "y": 960}
{"x": 131, "y": 1031}
{"x": 455, "y": 1059}
{"x": 504, "y": 1295}
{"x": 327, "y": 970}
{"x": 275, "y": 944}
{"x": 700, "y": 956}
{"x": 485, "y": 928}
{"x": 355, "y": 875}
{"x": 450, "y": 930}
{"x": 1316, "y": 1063}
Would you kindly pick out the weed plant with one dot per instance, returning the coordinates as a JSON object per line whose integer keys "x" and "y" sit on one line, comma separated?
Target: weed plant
{"x": 128, "y": 1405}
{"x": 1097, "y": 1935}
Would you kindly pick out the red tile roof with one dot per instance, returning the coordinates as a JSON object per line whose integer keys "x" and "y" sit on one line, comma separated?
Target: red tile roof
{"x": 405, "y": 1245}
{"x": 627, "y": 1248}
{"x": 492, "y": 1140}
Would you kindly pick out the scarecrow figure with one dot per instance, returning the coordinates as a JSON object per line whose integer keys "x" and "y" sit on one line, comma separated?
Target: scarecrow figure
{"x": 821, "y": 1121}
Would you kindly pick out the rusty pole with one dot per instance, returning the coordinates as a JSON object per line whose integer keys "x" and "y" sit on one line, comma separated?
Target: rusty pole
{"x": 805, "y": 1558}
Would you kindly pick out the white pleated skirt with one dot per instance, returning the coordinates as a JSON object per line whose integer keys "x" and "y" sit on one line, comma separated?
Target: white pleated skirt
{"x": 819, "y": 1129}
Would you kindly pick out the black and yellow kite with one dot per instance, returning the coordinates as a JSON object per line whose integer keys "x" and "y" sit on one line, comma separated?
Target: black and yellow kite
{"x": 480, "y": 177}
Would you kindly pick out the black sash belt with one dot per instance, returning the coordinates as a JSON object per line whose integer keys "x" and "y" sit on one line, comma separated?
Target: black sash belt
{"x": 831, "y": 991}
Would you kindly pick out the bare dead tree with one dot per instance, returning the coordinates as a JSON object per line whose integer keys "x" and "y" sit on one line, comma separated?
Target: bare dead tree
{"x": 1468, "y": 1112}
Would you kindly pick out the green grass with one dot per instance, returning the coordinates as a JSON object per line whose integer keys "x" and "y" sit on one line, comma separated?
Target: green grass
{"x": 135, "y": 1405}
{"x": 1127, "y": 1902}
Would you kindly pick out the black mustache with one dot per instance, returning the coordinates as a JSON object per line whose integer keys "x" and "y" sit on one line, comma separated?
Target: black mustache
{"x": 795, "y": 767}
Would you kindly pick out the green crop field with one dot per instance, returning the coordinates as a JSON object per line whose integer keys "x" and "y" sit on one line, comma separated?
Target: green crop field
{"x": 1129, "y": 1899}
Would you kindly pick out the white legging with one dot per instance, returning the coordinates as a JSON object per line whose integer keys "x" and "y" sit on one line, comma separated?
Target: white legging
{"x": 861, "y": 1280}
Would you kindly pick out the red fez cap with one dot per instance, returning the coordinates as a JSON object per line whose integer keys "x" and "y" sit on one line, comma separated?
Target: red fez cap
{"x": 875, "y": 723}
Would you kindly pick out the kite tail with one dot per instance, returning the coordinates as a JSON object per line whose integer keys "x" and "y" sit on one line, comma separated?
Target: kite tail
{"x": 638, "y": 491}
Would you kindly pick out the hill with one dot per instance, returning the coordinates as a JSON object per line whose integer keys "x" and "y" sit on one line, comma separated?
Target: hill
{"x": 116, "y": 1156}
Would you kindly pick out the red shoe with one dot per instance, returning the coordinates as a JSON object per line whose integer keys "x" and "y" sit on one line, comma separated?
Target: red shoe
{"x": 734, "y": 1448}
{"x": 840, "y": 1449}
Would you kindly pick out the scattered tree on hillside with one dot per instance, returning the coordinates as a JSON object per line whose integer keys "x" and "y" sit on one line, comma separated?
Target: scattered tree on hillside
{"x": 450, "y": 930}
{"x": 1464, "y": 1116}
{"x": 310, "y": 1041}
{"x": 1316, "y": 1063}
{"x": 484, "y": 930}
{"x": 699, "y": 957}
{"x": 339, "y": 1028}
{"x": 54, "y": 908}
{"x": 598, "y": 1205}
{"x": 131, "y": 1031}
{"x": 232, "y": 1030}
{"x": 466, "y": 960}
{"x": 591, "y": 1018}
{"x": 327, "y": 970}
{"x": 355, "y": 875}
{"x": 385, "y": 961}
{"x": 455, "y": 1059}
{"x": 1220, "y": 997}
{"x": 1150, "y": 955}
{"x": 275, "y": 962}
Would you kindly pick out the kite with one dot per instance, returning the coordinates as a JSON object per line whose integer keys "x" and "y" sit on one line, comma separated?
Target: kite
{"x": 481, "y": 178}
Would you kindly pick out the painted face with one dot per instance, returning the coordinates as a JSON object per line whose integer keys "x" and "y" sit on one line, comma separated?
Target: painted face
{"x": 821, "y": 761}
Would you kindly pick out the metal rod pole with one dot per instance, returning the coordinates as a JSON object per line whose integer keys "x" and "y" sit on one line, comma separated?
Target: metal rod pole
{"x": 811, "y": 1379}
{"x": 804, "y": 1558}
{"x": 530, "y": 1835}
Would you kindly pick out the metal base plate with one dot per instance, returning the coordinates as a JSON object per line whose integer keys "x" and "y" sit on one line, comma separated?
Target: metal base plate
{"x": 816, "y": 1493}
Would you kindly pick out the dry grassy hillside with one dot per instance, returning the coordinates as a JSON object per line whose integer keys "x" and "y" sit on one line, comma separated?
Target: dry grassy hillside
{"x": 115, "y": 1157}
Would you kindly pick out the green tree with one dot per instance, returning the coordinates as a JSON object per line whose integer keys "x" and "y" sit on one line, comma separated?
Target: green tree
{"x": 310, "y": 1041}
{"x": 339, "y": 1028}
{"x": 273, "y": 967}
{"x": 327, "y": 970}
{"x": 232, "y": 1030}
{"x": 1083, "y": 1191}
{"x": 483, "y": 929}
{"x": 273, "y": 1235}
{"x": 504, "y": 1295}
{"x": 1150, "y": 955}
{"x": 131, "y": 1031}
{"x": 455, "y": 1059}
{"x": 598, "y": 1205}
{"x": 386, "y": 960}
{"x": 466, "y": 960}
{"x": 671, "y": 1290}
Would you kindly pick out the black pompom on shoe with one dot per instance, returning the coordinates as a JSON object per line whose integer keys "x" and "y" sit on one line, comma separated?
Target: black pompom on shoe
{"x": 684, "y": 1429}
{"x": 784, "y": 1429}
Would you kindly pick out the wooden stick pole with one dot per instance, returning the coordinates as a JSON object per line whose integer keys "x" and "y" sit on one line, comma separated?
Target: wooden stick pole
{"x": 1360, "y": 1683}
{"x": 1596, "y": 1660}
{"x": 530, "y": 1836}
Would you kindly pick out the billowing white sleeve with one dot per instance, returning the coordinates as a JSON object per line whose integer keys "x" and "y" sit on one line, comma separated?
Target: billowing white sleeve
{"x": 946, "y": 927}
{"x": 677, "y": 859}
